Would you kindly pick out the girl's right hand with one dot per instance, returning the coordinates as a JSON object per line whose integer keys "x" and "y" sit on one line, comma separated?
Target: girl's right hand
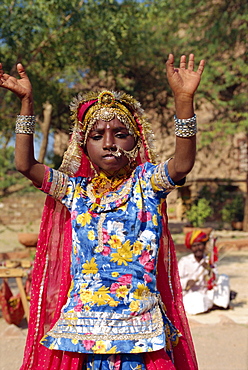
{"x": 21, "y": 87}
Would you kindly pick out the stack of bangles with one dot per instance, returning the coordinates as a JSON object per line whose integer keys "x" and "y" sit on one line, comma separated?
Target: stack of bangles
{"x": 25, "y": 124}
{"x": 185, "y": 127}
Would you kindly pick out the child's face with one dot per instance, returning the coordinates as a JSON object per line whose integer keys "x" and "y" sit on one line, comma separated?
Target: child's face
{"x": 104, "y": 139}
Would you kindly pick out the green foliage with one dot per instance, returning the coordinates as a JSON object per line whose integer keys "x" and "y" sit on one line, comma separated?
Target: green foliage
{"x": 220, "y": 34}
{"x": 199, "y": 212}
{"x": 6, "y": 160}
{"x": 233, "y": 210}
{"x": 69, "y": 46}
{"x": 226, "y": 204}
{"x": 217, "y": 197}
{"x": 8, "y": 174}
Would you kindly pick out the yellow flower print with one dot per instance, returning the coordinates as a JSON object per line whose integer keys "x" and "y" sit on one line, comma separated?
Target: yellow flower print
{"x": 91, "y": 235}
{"x": 69, "y": 190}
{"x": 114, "y": 241}
{"x": 122, "y": 291}
{"x": 84, "y": 219}
{"x": 123, "y": 254}
{"x": 115, "y": 274}
{"x": 77, "y": 191}
{"x": 99, "y": 347}
{"x": 139, "y": 203}
{"x": 75, "y": 249}
{"x": 148, "y": 247}
{"x": 44, "y": 339}
{"x": 137, "y": 247}
{"x": 134, "y": 306}
{"x": 74, "y": 341}
{"x": 101, "y": 296}
{"x": 112, "y": 350}
{"x": 155, "y": 220}
{"x": 160, "y": 209}
{"x": 138, "y": 188}
{"x": 113, "y": 303}
{"x": 123, "y": 208}
{"x": 90, "y": 267}
{"x": 70, "y": 289}
{"x": 86, "y": 296}
{"x": 137, "y": 349}
{"x": 98, "y": 249}
{"x": 141, "y": 291}
{"x": 52, "y": 345}
{"x": 143, "y": 183}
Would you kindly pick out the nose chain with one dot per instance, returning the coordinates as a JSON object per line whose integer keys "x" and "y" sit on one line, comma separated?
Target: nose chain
{"x": 115, "y": 151}
{"x": 130, "y": 154}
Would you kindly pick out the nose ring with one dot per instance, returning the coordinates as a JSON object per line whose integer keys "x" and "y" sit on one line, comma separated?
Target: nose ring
{"x": 115, "y": 151}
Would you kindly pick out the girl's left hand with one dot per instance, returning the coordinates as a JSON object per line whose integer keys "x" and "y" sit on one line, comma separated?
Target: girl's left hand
{"x": 183, "y": 80}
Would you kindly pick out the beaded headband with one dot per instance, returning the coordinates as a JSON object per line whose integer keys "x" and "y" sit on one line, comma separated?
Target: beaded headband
{"x": 87, "y": 109}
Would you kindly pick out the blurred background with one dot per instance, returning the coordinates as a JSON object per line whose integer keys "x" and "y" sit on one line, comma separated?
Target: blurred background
{"x": 72, "y": 46}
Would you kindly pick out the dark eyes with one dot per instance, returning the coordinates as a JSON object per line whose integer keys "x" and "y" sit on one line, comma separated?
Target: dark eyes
{"x": 121, "y": 135}
{"x": 96, "y": 137}
{"x": 118, "y": 135}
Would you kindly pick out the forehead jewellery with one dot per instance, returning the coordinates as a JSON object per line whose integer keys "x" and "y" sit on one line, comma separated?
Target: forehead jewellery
{"x": 87, "y": 109}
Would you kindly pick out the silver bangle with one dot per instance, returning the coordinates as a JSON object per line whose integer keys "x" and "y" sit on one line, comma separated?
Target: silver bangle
{"x": 25, "y": 124}
{"x": 185, "y": 127}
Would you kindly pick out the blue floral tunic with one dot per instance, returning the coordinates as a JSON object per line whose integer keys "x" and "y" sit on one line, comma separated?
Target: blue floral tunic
{"x": 113, "y": 305}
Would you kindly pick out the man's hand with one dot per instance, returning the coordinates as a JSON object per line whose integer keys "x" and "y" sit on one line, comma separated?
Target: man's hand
{"x": 190, "y": 284}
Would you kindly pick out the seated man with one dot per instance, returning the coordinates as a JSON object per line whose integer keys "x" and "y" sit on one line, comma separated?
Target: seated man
{"x": 202, "y": 287}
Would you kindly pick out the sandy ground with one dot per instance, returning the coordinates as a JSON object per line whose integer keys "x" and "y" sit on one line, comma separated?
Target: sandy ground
{"x": 220, "y": 336}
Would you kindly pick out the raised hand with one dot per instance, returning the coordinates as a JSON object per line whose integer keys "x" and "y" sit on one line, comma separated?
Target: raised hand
{"x": 184, "y": 80}
{"x": 21, "y": 87}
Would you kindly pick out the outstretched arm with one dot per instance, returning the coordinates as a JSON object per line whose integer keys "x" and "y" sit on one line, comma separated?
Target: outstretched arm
{"x": 24, "y": 149}
{"x": 184, "y": 82}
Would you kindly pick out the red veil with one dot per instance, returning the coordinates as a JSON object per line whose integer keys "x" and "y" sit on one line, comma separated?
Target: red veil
{"x": 51, "y": 282}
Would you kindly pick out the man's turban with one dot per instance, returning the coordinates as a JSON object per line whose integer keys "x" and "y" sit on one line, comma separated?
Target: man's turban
{"x": 195, "y": 236}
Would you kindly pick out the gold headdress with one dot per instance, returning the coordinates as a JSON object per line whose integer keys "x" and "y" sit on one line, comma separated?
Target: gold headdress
{"x": 87, "y": 109}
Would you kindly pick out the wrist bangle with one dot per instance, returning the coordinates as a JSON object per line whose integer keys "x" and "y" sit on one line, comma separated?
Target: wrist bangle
{"x": 185, "y": 127}
{"x": 25, "y": 124}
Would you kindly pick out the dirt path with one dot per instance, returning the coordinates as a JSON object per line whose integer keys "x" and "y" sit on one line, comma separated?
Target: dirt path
{"x": 221, "y": 336}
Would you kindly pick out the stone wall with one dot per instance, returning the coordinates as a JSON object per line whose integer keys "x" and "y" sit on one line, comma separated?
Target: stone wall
{"x": 24, "y": 209}
{"x": 223, "y": 162}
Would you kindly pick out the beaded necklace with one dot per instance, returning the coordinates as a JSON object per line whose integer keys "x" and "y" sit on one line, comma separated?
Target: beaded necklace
{"x": 105, "y": 182}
